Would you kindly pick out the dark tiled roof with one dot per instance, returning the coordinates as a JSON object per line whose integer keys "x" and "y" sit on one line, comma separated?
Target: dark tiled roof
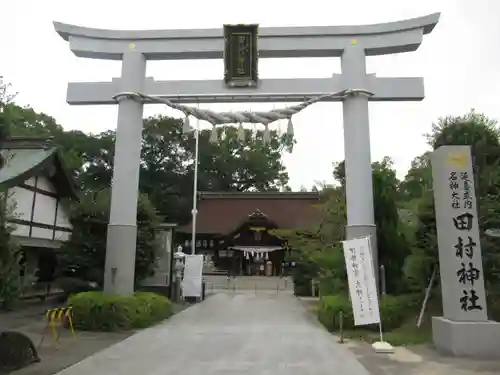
{"x": 27, "y": 157}
{"x": 222, "y": 213}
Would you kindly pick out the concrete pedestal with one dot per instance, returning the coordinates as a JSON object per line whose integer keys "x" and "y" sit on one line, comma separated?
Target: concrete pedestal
{"x": 382, "y": 347}
{"x": 480, "y": 340}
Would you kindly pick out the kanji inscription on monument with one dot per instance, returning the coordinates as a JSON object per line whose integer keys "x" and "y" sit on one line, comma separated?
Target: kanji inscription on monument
{"x": 460, "y": 259}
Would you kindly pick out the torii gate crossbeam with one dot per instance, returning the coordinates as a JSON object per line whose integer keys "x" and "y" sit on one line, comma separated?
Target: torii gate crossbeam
{"x": 269, "y": 90}
{"x": 351, "y": 43}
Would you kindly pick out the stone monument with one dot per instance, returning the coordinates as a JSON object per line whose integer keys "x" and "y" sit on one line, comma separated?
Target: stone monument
{"x": 161, "y": 279}
{"x": 464, "y": 328}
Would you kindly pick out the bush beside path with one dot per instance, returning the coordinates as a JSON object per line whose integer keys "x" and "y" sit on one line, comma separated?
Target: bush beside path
{"x": 29, "y": 318}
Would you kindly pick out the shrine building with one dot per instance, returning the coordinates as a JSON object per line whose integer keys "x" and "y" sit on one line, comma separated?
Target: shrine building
{"x": 37, "y": 187}
{"x": 233, "y": 229}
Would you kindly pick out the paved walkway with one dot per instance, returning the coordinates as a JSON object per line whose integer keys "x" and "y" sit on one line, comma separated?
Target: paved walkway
{"x": 229, "y": 334}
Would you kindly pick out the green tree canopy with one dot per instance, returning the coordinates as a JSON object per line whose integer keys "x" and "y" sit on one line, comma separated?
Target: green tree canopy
{"x": 83, "y": 257}
{"x": 167, "y": 159}
{"x": 482, "y": 134}
{"x": 418, "y": 180}
{"x": 392, "y": 244}
{"x": 166, "y": 178}
{"x": 317, "y": 251}
{"x": 6, "y": 97}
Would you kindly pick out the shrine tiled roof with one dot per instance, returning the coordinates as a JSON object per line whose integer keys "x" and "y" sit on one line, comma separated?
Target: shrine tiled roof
{"x": 222, "y": 213}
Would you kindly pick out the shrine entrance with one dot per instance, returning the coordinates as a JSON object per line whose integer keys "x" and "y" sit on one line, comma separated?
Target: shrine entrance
{"x": 256, "y": 251}
{"x": 241, "y": 46}
{"x": 235, "y": 230}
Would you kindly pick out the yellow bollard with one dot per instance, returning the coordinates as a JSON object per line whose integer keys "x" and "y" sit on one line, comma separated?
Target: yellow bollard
{"x": 58, "y": 315}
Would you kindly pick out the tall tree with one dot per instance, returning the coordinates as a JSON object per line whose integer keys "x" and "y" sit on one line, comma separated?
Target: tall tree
{"x": 83, "y": 257}
{"x": 11, "y": 281}
{"x": 167, "y": 169}
{"x": 6, "y": 97}
{"x": 234, "y": 165}
{"x": 418, "y": 180}
{"x": 482, "y": 134}
{"x": 167, "y": 159}
{"x": 317, "y": 251}
{"x": 473, "y": 129}
{"x": 392, "y": 243}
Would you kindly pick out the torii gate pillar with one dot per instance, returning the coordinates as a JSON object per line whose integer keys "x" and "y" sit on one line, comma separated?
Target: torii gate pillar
{"x": 358, "y": 171}
{"x": 351, "y": 43}
{"x": 119, "y": 275}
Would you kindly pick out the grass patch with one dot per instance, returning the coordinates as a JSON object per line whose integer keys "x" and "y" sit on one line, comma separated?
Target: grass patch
{"x": 406, "y": 333}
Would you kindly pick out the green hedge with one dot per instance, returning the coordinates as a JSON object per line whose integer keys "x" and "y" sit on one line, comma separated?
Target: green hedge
{"x": 494, "y": 307}
{"x": 394, "y": 310}
{"x": 93, "y": 311}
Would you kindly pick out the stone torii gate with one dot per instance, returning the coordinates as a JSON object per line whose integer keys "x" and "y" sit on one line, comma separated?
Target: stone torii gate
{"x": 351, "y": 43}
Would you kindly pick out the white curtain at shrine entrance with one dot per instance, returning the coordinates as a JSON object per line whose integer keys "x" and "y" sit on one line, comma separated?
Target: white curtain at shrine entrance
{"x": 257, "y": 252}
{"x": 257, "y": 249}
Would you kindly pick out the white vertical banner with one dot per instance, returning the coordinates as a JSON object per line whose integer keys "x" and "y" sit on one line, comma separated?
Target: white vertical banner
{"x": 193, "y": 274}
{"x": 361, "y": 278}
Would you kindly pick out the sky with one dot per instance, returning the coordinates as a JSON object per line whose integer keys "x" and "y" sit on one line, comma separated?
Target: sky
{"x": 459, "y": 60}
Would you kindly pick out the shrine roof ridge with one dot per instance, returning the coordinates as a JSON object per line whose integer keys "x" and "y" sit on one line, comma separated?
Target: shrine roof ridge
{"x": 21, "y": 143}
{"x": 309, "y": 195}
{"x": 427, "y": 22}
{"x": 27, "y": 157}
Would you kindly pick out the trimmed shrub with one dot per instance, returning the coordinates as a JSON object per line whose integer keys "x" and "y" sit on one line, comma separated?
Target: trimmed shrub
{"x": 93, "y": 311}
{"x": 303, "y": 273}
{"x": 394, "y": 310}
{"x": 73, "y": 285}
{"x": 329, "y": 309}
{"x": 494, "y": 307}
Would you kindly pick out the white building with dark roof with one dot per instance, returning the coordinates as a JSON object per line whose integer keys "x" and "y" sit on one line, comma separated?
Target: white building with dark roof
{"x": 38, "y": 187}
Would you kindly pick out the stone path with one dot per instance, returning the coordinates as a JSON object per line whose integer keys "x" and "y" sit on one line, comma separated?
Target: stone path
{"x": 229, "y": 334}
